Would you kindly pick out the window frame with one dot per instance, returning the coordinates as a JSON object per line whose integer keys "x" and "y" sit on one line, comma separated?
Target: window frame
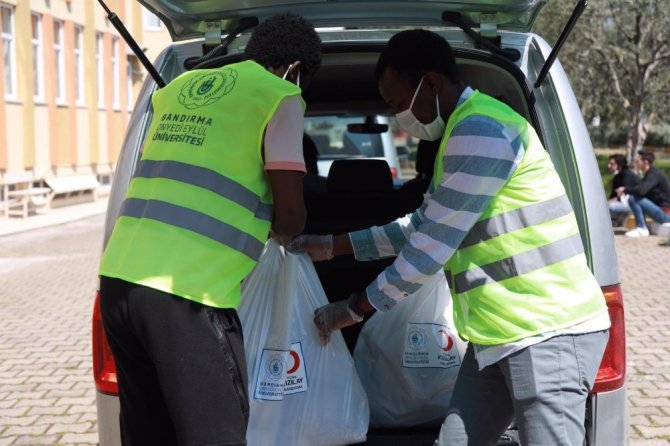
{"x": 78, "y": 51}
{"x": 37, "y": 45}
{"x": 116, "y": 74}
{"x": 149, "y": 20}
{"x": 100, "y": 68}
{"x": 9, "y": 43}
{"x": 59, "y": 59}
{"x": 129, "y": 81}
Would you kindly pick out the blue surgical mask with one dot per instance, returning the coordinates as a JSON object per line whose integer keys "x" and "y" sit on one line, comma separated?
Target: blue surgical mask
{"x": 430, "y": 132}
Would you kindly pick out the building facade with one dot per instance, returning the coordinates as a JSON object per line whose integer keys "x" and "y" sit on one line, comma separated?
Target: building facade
{"x": 69, "y": 83}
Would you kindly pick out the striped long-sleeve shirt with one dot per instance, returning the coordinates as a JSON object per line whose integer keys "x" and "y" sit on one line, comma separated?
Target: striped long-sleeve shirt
{"x": 480, "y": 156}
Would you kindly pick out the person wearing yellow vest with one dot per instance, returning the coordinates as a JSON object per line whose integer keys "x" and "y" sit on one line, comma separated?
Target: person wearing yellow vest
{"x": 497, "y": 219}
{"x": 221, "y": 168}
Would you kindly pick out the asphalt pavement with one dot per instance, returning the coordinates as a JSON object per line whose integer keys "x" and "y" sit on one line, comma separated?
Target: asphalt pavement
{"x": 48, "y": 266}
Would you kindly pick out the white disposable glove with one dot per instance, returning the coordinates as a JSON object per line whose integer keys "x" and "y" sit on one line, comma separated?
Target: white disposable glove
{"x": 336, "y": 316}
{"x": 318, "y": 247}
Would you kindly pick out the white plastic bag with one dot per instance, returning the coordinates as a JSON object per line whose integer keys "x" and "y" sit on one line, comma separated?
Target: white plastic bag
{"x": 408, "y": 358}
{"x": 301, "y": 393}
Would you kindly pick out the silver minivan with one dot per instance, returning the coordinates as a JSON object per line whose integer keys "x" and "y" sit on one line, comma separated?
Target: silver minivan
{"x": 496, "y": 53}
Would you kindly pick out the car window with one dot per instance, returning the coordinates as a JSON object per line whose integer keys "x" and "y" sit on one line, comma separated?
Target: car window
{"x": 333, "y": 141}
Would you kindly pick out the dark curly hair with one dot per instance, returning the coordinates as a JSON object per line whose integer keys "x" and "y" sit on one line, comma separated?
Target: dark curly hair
{"x": 414, "y": 52}
{"x": 281, "y": 40}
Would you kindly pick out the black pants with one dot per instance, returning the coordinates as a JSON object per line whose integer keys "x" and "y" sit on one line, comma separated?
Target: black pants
{"x": 181, "y": 367}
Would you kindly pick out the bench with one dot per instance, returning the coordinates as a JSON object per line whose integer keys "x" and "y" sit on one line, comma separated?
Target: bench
{"x": 71, "y": 185}
{"x": 20, "y": 195}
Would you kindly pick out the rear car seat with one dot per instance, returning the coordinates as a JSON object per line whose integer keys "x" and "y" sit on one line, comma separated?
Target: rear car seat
{"x": 360, "y": 194}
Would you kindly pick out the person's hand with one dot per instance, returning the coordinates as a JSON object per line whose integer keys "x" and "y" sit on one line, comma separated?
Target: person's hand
{"x": 282, "y": 240}
{"x": 318, "y": 247}
{"x": 335, "y": 316}
{"x": 620, "y": 190}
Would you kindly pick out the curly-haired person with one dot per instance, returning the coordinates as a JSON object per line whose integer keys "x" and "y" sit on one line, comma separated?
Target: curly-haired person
{"x": 222, "y": 167}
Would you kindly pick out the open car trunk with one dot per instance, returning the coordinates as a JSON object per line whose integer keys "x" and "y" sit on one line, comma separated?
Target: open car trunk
{"x": 345, "y": 85}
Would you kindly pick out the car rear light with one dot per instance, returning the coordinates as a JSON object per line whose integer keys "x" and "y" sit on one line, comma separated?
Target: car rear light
{"x": 104, "y": 369}
{"x": 394, "y": 173}
{"x": 612, "y": 372}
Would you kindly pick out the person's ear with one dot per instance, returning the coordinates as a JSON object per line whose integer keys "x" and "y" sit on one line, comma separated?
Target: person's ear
{"x": 294, "y": 70}
{"x": 433, "y": 81}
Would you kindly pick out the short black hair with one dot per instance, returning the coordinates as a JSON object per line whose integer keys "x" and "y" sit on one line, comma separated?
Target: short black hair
{"x": 647, "y": 156}
{"x": 415, "y": 52}
{"x": 620, "y": 161}
{"x": 281, "y": 40}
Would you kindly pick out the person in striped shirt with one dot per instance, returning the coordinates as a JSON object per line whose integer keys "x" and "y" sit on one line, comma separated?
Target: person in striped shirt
{"x": 496, "y": 218}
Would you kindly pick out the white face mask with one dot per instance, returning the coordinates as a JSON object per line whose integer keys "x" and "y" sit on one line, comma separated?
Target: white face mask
{"x": 431, "y": 131}
{"x": 297, "y": 82}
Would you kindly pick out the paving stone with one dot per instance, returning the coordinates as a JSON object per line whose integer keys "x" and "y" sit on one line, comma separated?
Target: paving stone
{"x": 80, "y": 439}
{"x": 61, "y": 428}
{"x": 31, "y": 402}
{"x": 33, "y": 440}
{"x": 654, "y": 431}
{"x": 47, "y": 410}
{"x": 25, "y": 430}
{"x": 18, "y": 421}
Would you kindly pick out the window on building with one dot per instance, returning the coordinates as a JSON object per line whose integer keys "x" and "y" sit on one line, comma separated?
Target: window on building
{"x": 116, "y": 80}
{"x": 129, "y": 81}
{"x": 79, "y": 64}
{"x": 8, "y": 50}
{"x": 59, "y": 53}
{"x": 151, "y": 21}
{"x": 38, "y": 57}
{"x": 99, "y": 62}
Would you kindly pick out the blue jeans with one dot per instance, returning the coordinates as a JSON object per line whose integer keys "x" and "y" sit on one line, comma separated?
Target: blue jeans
{"x": 640, "y": 207}
{"x": 544, "y": 386}
{"x": 618, "y": 212}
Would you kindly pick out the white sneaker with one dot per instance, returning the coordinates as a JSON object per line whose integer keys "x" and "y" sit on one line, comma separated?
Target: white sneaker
{"x": 638, "y": 232}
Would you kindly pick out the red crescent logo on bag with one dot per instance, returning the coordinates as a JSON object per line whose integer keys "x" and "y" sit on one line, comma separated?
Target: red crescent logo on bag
{"x": 450, "y": 342}
{"x": 296, "y": 362}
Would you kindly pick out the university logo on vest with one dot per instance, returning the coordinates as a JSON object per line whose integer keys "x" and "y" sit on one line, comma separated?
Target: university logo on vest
{"x": 207, "y": 88}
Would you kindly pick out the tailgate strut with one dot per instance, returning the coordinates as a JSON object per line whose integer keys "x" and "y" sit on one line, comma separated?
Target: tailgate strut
{"x": 114, "y": 19}
{"x": 576, "y": 13}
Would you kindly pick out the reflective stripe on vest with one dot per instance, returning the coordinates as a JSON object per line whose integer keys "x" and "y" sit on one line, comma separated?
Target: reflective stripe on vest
{"x": 195, "y": 221}
{"x": 533, "y": 214}
{"x": 207, "y": 179}
{"x": 518, "y": 264}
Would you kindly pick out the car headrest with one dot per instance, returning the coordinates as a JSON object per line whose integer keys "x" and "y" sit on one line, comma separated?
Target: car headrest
{"x": 426, "y": 152}
{"x": 359, "y": 175}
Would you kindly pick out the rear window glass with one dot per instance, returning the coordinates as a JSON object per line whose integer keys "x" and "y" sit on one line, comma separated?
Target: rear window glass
{"x": 333, "y": 141}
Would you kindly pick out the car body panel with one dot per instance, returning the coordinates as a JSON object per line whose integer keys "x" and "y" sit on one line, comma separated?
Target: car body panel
{"x": 188, "y": 19}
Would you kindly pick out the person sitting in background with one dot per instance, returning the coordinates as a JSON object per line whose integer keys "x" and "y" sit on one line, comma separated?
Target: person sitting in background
{"x": 623, "y": 176}
{"x": 651, "y": 197}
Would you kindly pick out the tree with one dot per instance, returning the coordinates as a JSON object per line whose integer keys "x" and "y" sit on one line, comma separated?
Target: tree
{"x": 618, "y": 59}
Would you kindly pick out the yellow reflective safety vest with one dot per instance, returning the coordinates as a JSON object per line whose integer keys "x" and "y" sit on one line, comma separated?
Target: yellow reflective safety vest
{"x": 521, "y": 269}
{"x": 199, "y": 207}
